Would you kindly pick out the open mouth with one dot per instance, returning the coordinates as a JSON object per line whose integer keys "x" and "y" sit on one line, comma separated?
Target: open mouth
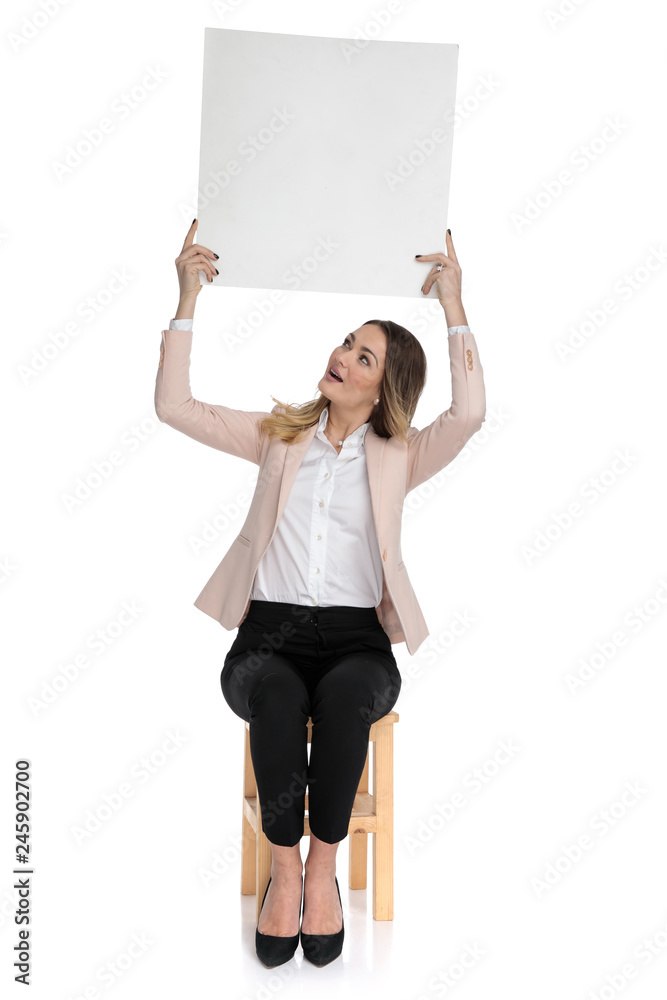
{"x": 333, "y": 375}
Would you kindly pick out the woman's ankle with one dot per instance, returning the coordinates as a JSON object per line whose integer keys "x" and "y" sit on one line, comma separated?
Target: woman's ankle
{"x": 286, "y": 870}
{"x": 320, "y": 868}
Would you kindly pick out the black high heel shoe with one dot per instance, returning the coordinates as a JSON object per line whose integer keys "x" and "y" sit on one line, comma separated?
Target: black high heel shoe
{"x": 272, "y": 949}
{"x": 320, "y": 949}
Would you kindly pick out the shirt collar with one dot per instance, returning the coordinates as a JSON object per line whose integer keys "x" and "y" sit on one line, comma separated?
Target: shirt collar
{"x": 353, "y": 440}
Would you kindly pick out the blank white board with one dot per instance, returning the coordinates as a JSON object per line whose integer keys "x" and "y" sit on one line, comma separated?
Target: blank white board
{"x": 324, "y": 162}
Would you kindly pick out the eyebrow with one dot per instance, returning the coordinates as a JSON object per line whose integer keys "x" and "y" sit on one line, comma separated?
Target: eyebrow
{"x": 365, "y": 349}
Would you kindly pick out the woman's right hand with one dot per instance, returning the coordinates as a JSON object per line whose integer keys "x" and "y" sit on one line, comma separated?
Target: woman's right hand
{"x": 192, "y": 259}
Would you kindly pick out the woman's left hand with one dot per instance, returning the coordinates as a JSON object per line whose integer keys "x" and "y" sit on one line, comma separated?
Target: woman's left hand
{"x": 448, "y": 281}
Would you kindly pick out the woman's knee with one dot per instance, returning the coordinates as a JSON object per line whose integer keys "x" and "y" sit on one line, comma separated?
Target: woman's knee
{"x": 383, "y": 695}
{"x": 252, "y": 677}
{"x": 364, "y": 688}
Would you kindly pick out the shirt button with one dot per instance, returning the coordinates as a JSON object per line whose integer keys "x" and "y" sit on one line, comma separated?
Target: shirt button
{"x": 317, "y": 569}
{"x": 320, "y": 504}
{"x": 319, "y": 537}
{"x": 314, "y": 601}
{"x": 326, "y": 474}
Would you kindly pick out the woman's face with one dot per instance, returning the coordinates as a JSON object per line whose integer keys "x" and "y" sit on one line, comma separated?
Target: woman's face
{"x": 359, "y": 360}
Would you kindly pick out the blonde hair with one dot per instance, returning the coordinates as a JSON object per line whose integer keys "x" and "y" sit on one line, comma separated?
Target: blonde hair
{"x": 402, "y": 384}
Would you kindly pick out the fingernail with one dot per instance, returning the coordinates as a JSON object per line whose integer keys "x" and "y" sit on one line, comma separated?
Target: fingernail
{"x": 217, "y": 256}
{"x": 216, "y": 271}
{"x": 194, "y": 220}
{"x": 449, "y": 231}
{"x": 419, "y": 255}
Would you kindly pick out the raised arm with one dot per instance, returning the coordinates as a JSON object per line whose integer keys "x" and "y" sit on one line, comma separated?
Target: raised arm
{"x": 234, "y": 431}
{"x": 434, "y": 447}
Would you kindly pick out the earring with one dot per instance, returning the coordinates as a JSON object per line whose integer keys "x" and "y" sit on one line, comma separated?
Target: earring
{"x": 377, "y": 400}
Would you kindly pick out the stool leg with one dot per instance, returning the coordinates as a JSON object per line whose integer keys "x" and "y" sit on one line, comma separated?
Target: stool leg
{"x": 383, "y": 840}
{"x": 359, "y": 842}
{"x": 248, "y": 859}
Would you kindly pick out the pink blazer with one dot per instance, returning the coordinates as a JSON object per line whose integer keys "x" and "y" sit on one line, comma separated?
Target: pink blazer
{"x": 394, "y": 469}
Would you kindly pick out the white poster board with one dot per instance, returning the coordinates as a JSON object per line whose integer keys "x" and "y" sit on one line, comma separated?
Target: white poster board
{"x": 324, "y": 162}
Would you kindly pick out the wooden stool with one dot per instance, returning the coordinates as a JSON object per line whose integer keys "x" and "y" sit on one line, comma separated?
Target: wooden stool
{"x": 370, "y": 814}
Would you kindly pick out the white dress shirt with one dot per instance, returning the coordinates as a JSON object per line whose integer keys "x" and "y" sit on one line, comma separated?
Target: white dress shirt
{"x": 324, "y": 550}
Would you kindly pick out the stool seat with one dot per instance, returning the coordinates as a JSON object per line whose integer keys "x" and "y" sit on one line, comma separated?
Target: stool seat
{"x": 372, "y": 812}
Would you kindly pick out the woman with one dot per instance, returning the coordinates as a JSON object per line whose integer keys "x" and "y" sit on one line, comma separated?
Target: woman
{"x": 315, "y": 579}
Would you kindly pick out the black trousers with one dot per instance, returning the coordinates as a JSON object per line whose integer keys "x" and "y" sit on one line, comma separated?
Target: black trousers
{"x": 289, "y": 662}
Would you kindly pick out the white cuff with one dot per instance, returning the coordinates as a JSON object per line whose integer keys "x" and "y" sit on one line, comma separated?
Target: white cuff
{"x": 457, "y": 329}
{"x": 180, "y": 324}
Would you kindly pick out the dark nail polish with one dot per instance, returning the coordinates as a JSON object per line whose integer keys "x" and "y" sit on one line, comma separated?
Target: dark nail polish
{"x": 217, "y": 256}
{"x": 449, "y": 231}
{"x": 216, "y": 271}
{"x": 194, "y": 220}
{"x": 419, "y": 255}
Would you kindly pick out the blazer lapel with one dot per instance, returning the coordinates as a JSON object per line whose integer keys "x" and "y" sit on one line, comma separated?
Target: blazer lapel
{"x": 294, "y": 454}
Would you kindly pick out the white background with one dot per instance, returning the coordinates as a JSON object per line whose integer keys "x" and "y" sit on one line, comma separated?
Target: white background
{"x": 544, "y": 265}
